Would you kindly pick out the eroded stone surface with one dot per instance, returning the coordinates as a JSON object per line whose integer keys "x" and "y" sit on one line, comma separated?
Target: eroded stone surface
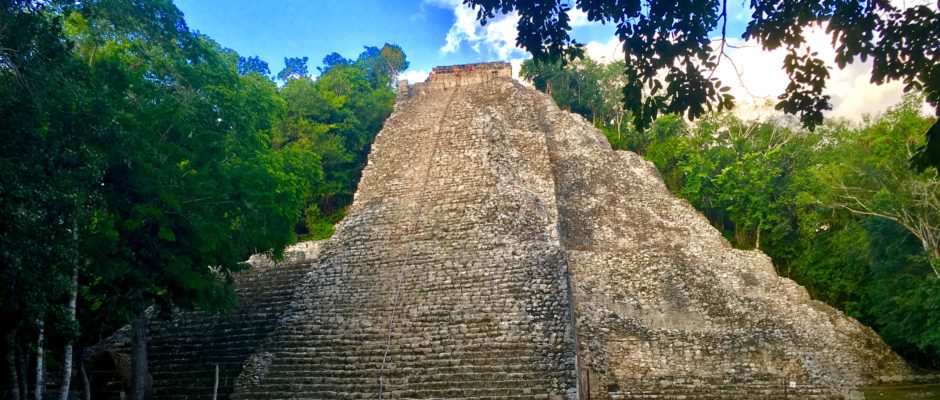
{"x": 454, "y": 258}
{"x": 666, "y": 307}
{"x": 456, "y": 214}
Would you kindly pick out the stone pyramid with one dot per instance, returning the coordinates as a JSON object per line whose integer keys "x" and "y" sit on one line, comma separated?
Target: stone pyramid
{"x": 497, "y": 248}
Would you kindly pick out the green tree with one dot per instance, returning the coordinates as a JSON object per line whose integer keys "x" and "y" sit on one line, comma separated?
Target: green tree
{"x": 382, "y": 66}
{"x": 294, "y": 68}
{"x": 190, "y": 185}
{"x": 48, "y": 171}
{"x": 670, "y": 56}
{"x": 253, "y": 65}
{"x": 331, "y": 60}
{"x": 334, "y": 120}
{"x": 874, "y": 178}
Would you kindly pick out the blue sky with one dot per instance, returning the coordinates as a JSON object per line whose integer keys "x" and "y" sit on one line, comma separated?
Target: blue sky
{"x": 291, "y": 28}
{"x": 445, "y": 32}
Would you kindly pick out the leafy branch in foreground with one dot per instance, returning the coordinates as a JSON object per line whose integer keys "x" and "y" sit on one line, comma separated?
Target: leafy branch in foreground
{"x": 670, "y": 56}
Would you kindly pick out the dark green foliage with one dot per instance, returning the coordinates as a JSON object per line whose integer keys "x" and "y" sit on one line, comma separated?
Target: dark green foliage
{"x": 134, "y": 149}
{"x": 334, "y": 119}
{"x": 921, "y": 160}
{"x": 253, "y": 65}
{"x": 331, "y": 60}
{"x": 189, "y": 179}
{"x": 381, "y": 66}
{"x": 670, "y": 55}
{"x": 294, "y": 68}
{"x": 784, "y": 190}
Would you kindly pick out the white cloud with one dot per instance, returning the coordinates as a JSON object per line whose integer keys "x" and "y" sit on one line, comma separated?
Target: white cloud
{"x": 516, "y": 66}
{"x": 760, "y": 78}
{"x": 579, "y": 18}
{"x": 756, "y": 76}
{"x": 498, "y": 37}
{"x": 414, "y": 75}
{"x": 605, "y": 52}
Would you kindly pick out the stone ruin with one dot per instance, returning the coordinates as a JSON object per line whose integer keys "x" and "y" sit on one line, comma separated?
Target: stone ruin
{"x": 497, "y": 248}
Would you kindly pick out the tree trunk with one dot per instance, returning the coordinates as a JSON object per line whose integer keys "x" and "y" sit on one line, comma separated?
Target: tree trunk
{"x": 14, "y": 380}
{"x": 73, "y": 296}
{"x": 215, "y": 387}
{"x": 22, "y": 356}
{"x": 933, "y": 258}
{"x": 86, "y": 384}
{"x": 140, "y": 376}
{"x": 740, "y": 236}
{"x": 40, "y": 368}
{"x": 760, "y": 225}
{"x": 619, "y": 125}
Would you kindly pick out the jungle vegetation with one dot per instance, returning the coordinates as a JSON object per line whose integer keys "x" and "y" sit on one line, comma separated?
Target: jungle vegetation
{"x": 839, "y": 208}
{"x": 142, "y": 163}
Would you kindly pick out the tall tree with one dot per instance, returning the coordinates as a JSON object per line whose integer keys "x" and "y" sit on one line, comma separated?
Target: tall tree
{"x": 331, "y": 60}
{"x": 190, "y": 185}
{"x": 48, "y": 172}
{"x": 294, "y": 68}
{"x": 253, "y": 65}
{"x": 670, "y": 55}
{"x": 382, "y": 65}
{"x": 873, "y": 177}
{"x": 333, "y": 120}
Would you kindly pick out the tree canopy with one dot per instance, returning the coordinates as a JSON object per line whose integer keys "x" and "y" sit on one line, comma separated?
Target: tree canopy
{"x": 294, "y": 68}
{"x": 253, "y": 65}
{"x": 142, "y": 163}
{"x": 670, "y": 56}
{"x": 838, "y": 209}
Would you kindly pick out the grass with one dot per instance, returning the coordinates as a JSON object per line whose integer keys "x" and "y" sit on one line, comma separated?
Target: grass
{"x": 903, "y": 391}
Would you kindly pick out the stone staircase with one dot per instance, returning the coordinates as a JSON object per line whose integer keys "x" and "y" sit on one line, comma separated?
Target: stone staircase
{"x": 440, "y": 275}
{"x": 185, "y": 350}
{"x": 484, "y": 217}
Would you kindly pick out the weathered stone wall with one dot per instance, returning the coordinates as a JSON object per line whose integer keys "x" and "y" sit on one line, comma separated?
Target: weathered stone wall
{"x": 449, "y": 258}
{"x": 666, "y": 307}
{"x": 467, "y": 74}
{"x": 185, "y": 349}
{"x": 482, "y": 210}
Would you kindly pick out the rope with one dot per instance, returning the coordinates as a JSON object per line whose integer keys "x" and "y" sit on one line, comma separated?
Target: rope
{"x": 569, "y": 293}
{"x": 573, "y": 322}
{"x": 414, "y": 227}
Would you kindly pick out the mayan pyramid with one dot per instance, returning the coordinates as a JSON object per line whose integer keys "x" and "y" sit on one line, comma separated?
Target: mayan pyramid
{"x": 497, "y": 248}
